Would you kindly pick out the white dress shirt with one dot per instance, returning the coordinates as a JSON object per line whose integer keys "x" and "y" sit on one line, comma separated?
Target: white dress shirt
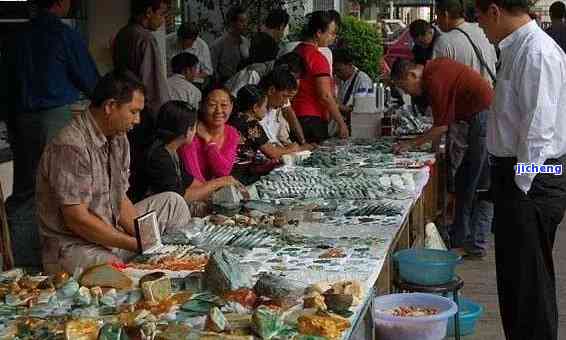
{"x": 270, "y": 124}
{"x": 202, "y": 52}
{"x": 529, "y": 109}
{"x": 182, "y": 89}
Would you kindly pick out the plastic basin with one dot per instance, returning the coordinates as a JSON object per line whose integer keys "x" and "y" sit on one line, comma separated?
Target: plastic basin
{"x": 470, "y": 312}
{"x": 427, "y": 267}
{"x": 432, "y": 327}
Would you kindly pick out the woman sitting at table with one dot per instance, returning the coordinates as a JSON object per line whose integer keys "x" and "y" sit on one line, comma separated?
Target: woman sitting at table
{"x": 163, "y": 171}
{"x": 213, "y": 151}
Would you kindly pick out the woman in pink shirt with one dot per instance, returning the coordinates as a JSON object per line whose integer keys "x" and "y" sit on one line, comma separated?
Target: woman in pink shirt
{"x": 213, "y": 151}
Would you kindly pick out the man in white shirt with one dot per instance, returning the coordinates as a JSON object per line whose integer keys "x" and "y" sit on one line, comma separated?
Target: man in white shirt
{"x": 281, "y": 86}
{"x": 252, "y": 75}
{"x": 466, "y": 142}
{"x": 190, "y": 42}
{"x": 184, "y": 66}
{"x": 526, "y": 130}
{"x": 350, "y": 80}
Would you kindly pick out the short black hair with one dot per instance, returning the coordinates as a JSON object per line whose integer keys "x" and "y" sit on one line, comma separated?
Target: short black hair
{"x": 234, "y": 12}
{"x": 263, "y": 48}
{"x": 512, "y": 6}
{"x": 119, "y": 85}
{"x": 280, "y": 78}
{"x": 182, "y": 61}
{"x": 293, "y": 61}
{"x": 336, "y": 15}
{"x": 454, "y": 8}
{"x": 317, "y": 21}
{"x": 248, "y": 96}
{"x": 401, "y": 68}
{"x": 174, "y": 119}
{"x": 343, "y": 56}
{"x": 419, "y": 28}
{"x": 140, "y": 7}
{"x": 557, "y": 10}
{"x": 188, "y": 31}
{"x": 277, "y": 18}
{"x": 46, "y": 4}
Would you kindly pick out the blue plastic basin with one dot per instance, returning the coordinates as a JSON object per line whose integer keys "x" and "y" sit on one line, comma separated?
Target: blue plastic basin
{"x": 427, "y": 267}
{"x": 470, "y": 313}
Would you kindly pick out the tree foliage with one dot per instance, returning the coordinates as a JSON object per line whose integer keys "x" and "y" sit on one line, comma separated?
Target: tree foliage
{"x": 364, "y": 40}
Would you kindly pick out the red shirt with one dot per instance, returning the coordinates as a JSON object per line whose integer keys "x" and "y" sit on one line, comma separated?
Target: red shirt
{"x": 307, "y": 102}
{"x": 456, "y": 91}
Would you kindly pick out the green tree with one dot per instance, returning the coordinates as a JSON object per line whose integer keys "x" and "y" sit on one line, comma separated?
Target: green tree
{"x": 364, "y": 40}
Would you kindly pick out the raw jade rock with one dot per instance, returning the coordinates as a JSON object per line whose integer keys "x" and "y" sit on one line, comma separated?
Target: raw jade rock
{"x": 224, "y": 273}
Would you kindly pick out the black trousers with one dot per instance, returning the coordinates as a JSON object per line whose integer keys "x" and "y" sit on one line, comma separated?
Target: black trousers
{"x": 314, "y": 128}
{"x": 525, "y": 228}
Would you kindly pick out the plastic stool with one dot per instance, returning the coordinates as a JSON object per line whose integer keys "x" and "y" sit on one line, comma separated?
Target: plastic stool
{"x": 451, "y": 287}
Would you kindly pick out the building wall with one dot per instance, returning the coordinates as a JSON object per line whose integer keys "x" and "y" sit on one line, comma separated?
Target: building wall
{"x": 105, "y": 18}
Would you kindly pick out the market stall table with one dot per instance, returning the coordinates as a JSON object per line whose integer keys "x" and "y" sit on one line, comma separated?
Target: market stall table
{"x": 367, "y": 207}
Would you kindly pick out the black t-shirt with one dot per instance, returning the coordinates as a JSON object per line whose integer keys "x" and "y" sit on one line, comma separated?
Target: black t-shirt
{"x": 263, "y": 48}
{"x": 424, "y": 54}
{"x": 164, "y": 171}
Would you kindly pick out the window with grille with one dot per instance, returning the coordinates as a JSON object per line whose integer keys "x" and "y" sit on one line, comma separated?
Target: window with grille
{"x": 323, "y": 5}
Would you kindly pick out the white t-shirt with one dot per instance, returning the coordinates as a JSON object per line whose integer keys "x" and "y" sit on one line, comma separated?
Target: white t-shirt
{"x": 202, "y": 52}
{"x": 455, "y": 45}
{"x": 182, "y": 89}
{"x": 276, "y": 127}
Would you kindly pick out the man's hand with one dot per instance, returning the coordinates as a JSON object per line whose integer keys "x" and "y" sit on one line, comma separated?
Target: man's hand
{"x": 346, "y": 109}
{"x": 308, "y": 147}
{"x": 294, "y": 147}
{"x": 343, "y": 130}
{"x": 202, "y": 75}
{"x": 401, "y": 147}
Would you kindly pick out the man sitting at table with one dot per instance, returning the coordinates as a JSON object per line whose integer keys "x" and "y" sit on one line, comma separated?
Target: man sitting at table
{"x": 456, "y": 93}
{"x": 350, "y": 80}
{"x": 85, "y": 216}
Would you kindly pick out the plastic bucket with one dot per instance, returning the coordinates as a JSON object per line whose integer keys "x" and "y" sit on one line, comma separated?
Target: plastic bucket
{"x": 432, "y": 327}
{"x": 470, "y": 312}
{"x": 427, "y": 267}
